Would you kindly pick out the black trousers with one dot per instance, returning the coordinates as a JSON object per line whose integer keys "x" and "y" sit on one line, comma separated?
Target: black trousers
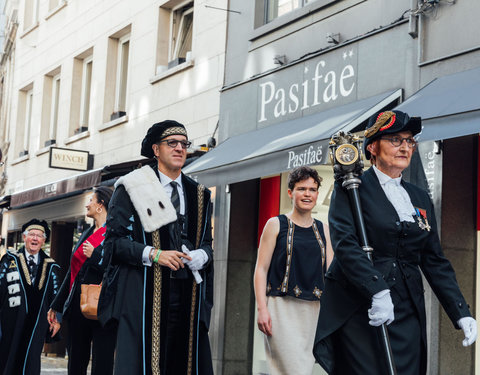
{"x": 87, "y": 336}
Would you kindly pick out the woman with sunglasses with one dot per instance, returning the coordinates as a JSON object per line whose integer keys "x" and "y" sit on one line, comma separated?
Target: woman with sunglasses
{"x": 360, "y": 296}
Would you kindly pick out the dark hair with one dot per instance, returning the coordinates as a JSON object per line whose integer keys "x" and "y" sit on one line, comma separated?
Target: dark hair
{"x": 103, "y": 195}
{"x": 301, "y": 174}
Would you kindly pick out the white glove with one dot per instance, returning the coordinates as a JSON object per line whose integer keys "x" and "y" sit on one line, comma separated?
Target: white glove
{"x": 469, "y": 327}
{"x": 382, "y": 309}
{"x": 198, "y": 260}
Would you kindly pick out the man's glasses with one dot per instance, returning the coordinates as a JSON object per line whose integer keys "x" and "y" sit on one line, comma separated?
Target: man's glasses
{"x": 397, "y": 141}
{"x": 35, "y": 235}
{"x": 173, "y": 143}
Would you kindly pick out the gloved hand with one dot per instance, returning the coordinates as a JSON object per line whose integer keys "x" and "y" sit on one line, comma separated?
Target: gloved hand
{"x": 196, "y": 255}
{"x": 199, "y": 258}
{"x": 469, "y": 327}
{"x": 382, "y": 309}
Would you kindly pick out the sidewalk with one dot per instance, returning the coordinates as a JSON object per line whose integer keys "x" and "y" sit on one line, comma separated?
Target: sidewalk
{"x": 55, "y": 365}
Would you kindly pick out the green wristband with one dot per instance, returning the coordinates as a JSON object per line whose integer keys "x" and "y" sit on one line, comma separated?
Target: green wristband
{"x": 155, "y": 260}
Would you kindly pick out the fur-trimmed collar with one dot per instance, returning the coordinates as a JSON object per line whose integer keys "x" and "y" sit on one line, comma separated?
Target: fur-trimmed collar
{"x": 149, "y": 198}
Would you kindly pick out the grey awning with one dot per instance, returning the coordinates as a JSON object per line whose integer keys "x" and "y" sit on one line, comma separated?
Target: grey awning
{"x": 277, "y": 148}
{"x": 449, "y": 106}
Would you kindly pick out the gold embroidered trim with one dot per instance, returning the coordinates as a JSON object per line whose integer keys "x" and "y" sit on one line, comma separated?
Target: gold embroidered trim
{"x": 176, "y": 130}
{"x": 26, "y": 272}
{"x": 157, "y": 304}
{"x": 381, "y": 120}
{"x": 284, "y": 286}
{"x": 297, "y": 291}
{"x": 44, "y": 272}
{"x": 200, "y": 193}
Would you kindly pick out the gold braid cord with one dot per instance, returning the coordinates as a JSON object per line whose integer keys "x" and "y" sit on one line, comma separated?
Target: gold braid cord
{"x": 157, "y": 304}
{"x": 200, "y": 191}
{"x": 26, "y": 272}
{"x": 44, "y": 272}
{"x": 381, "y": 120}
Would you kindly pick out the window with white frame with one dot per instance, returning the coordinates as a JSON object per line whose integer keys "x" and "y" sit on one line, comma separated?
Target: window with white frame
{"x": 87, "y": 68}
{"x": 80, "y": 101}
{"x": 181, "y": 30}
{"x": 30, "y": 14}
{"x": 278, "y": 8}
{"x": 115, "y": 100}
{"x": 174, "y": 34}
{"x": 123, "y": 49}
{"x": 50, "y": 108}
{"x": 24, "y": 121}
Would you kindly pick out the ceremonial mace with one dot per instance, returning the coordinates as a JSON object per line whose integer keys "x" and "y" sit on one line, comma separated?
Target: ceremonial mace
{"x": 345, "y": 155}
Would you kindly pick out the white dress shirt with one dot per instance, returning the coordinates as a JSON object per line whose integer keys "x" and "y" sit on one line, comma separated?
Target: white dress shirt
{"x": 397, "y": 195}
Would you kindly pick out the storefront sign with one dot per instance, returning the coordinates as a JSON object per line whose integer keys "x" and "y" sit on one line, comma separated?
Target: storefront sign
{"x": 64, "y": 158}
{"x": 306, "y": 155}
{"x": 323, "y": 81}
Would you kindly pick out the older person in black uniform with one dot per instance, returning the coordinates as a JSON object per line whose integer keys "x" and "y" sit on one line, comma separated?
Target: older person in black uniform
{"x": 29, "y": 282}
{"x": 159, "y": 282}
{"x": 401, "y": 227}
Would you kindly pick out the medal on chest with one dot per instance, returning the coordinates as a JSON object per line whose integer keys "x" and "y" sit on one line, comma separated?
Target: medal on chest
{"x": 422, "y": 220}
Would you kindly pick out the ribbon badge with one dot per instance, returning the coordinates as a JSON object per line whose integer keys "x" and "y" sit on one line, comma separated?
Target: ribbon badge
{"x": 422, "y": 219}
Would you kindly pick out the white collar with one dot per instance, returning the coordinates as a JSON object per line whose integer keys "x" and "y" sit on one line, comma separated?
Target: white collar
{"x": 165, "y": 180}
{"x": 384, "y": 178}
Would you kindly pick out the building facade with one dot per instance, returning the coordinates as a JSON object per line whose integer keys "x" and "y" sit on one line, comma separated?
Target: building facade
{"x": 297, "y": 72}
{"x": 82, "y": 81}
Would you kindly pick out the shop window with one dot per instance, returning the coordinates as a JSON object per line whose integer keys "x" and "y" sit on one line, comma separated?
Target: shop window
{"x": 30, "y": 15}
{"x": 81, "y": 93}
{"x": 175, "y": 31}
{"x": 24, "y": 120}
{"x": 117, "y": 75}
{"x": 50, "y": 108}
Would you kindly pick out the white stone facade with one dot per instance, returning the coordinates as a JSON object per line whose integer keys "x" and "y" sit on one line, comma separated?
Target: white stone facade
{"x": 67, "y": 79}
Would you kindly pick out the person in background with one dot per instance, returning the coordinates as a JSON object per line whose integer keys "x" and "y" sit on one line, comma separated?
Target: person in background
{"x": 293, "y": 256}
{"x": 87, "y": 265}
{"x": 360, "y": 296}
{"x": 28, "y": 284}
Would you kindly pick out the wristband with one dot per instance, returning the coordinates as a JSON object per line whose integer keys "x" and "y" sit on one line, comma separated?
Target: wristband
{"x": 157, "y": 255}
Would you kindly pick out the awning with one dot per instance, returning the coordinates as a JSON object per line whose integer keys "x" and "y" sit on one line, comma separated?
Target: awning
{"x": 277, "y": 148}
{"x": 449, "y": 106}
{"x": 55, "y": 190}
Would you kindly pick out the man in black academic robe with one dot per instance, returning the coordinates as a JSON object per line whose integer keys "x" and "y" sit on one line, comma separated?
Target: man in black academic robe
{"x": 29, "y": 281}
{"x": 161, "y": 300}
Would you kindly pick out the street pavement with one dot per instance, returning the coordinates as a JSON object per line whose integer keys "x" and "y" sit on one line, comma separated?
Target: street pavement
{"x": 55, "y": 366}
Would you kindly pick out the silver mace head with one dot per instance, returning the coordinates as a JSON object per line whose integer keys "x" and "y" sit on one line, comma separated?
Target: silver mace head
{"x": 346, "y": 155}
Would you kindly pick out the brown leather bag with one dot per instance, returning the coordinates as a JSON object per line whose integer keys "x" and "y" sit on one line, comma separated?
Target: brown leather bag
{"x": 89, "y": 300}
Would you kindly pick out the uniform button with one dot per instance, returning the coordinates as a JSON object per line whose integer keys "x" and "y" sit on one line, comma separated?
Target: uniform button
{"x": 393, "y": 279}
{"x": 397, "y": 223}
{"x": 394, "y": 264}
{"x": 460, "y": 304}
{"x": 374, "y": 277}
{"x": 405, "y": 235}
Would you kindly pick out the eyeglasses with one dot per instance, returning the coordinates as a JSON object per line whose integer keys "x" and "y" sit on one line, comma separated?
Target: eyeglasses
{"x": 397, "y": 141}
{"x": 35, "y": 235}
{"x": 174, "y": 142}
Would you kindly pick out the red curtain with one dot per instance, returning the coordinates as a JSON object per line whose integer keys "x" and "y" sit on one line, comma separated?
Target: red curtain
{"x": 269, "y": 201}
